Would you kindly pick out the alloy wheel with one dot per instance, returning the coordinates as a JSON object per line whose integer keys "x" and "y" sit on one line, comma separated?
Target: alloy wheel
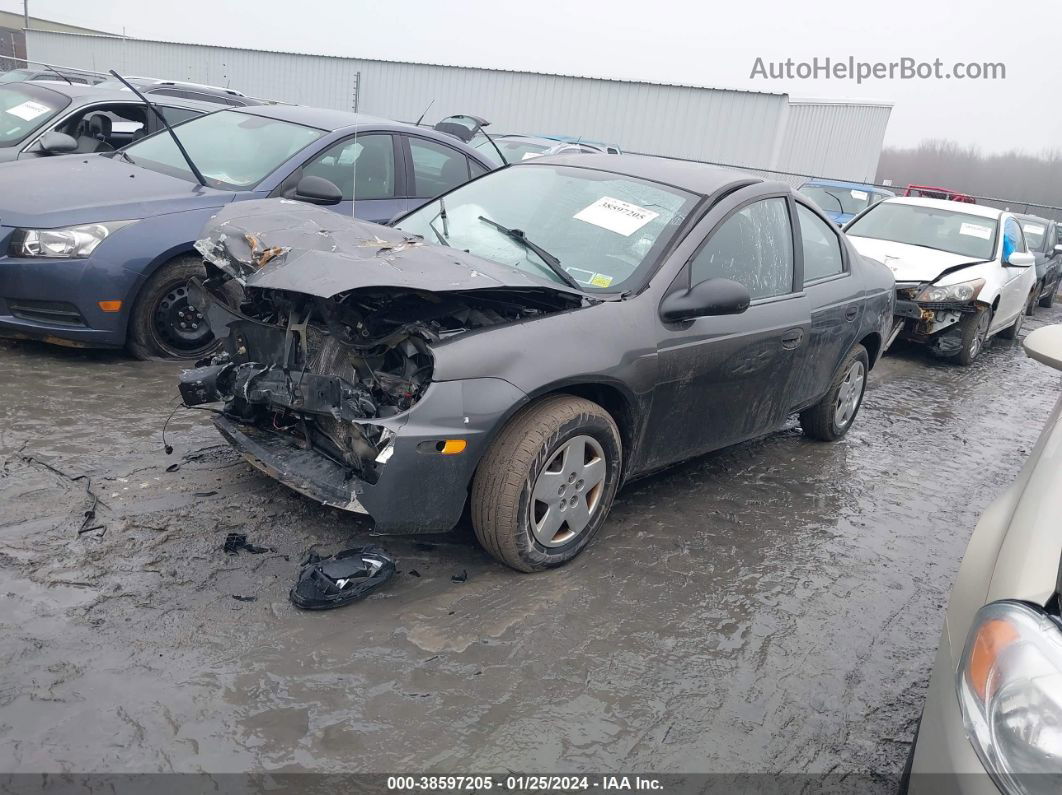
{"x": 568, "y": 491}
{"x": 849, "y": 394}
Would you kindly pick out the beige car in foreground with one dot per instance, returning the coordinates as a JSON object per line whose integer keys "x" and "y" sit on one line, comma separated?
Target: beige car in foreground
{"x": 993, "y": 715}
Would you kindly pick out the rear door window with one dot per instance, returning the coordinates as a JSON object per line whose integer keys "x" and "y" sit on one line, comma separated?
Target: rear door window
{"x": 754, "y": 246}
{"x": 820, "y": 245}
{"x": 436, "y": 168}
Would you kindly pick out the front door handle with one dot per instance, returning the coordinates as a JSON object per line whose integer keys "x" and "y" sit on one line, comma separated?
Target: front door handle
{"x": 791, "y": 339}
{"x": 851, "y": 312}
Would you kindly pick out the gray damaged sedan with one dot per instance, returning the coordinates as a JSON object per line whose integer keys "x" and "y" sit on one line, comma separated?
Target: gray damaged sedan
{"x": 530, "y": 341}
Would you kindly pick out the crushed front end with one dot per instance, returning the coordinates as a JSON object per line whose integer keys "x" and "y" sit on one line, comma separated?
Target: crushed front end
{"x": 334, "y": 394}
{"x": 932, "y": 314}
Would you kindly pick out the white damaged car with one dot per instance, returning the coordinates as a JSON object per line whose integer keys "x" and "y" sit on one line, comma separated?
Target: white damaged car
{"x": 963, "y": 271}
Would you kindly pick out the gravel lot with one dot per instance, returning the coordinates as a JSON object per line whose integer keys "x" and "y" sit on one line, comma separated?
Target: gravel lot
{"x": 771, "y": 608}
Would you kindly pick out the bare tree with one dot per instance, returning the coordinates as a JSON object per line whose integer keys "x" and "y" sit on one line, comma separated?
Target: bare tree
{"x": 1018, "y": 178}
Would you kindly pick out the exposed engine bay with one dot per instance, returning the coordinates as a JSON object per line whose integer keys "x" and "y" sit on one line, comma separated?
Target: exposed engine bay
{"x": 336, "y": 371}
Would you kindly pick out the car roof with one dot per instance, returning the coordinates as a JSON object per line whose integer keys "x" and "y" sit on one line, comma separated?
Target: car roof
{"x": 839, "y": 183}
{"x": 321, "y": 118}
{"x": 688, "y": 175}
{"x": 945, "y": 204}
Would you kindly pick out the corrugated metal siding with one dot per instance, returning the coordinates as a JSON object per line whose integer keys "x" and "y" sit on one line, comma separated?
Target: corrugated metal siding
{"x": 834, "y": 140}
{"x": 736, "y": 127}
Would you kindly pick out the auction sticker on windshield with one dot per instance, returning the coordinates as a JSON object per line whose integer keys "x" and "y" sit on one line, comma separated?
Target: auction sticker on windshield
{"x": 976, "y": 230}
{"x": 28, "y": 110}
{"x": 860, "y": 195}
{"x": 615, "y": 215}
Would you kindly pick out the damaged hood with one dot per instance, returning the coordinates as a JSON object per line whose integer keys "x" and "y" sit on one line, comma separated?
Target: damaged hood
{"x": 287, "y": 245}
{"x": 910, "y": 263}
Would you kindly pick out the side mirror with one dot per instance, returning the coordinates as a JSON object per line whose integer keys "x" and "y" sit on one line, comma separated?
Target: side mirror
{"x": 1021, "y": 259}
{"x": 710, "y": 297}
{"x": 57, "y": 143}
{"x": 317, "y": 190}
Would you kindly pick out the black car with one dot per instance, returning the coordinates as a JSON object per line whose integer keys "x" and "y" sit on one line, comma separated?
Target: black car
{"x": 531, "y": 340}
{"x": 1041, "y": 237}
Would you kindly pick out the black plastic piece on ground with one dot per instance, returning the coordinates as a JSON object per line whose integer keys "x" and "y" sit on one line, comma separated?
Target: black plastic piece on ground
{"x": 462, "y": 577}
{"x": 234, "y": 542}
{"x": 345, "y": 577}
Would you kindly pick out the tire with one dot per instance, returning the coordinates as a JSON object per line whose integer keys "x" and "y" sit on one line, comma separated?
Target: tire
{"x": 1011, "y": 332}
{"x": 1030, "y": 304}
{"x": 830, "y": 418}
{"x": 974, "y": 335}
{"x": 1048, "y": 300}
{"x": 529, "y": 459}
{"x": 154, "y": 326}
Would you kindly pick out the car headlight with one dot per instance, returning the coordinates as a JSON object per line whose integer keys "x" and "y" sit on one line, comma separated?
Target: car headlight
{"x": 941, "y": 293}
{"x": 72, "y": 241}
{"x": 1009, "y": 685}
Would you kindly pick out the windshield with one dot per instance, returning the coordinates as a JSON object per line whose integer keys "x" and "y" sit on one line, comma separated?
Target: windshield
{"x": 931, "y": 227}
{"x": 15, "y": 75}
{"x": 838, "y": 200}
{"x": 1034, "y": 234}
{"x": 605, "y": 229}
{"x": 235, "y": 151}
{"x": 24, "y": 109}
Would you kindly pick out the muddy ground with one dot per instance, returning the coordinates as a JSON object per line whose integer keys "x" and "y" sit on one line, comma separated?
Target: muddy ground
{"x": 771, "y": 608}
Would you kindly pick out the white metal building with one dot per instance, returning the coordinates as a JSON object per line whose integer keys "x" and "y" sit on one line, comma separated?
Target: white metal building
{"x": 756, "y": 130}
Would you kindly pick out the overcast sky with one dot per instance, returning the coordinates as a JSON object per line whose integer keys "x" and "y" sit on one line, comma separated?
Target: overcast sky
{"x": 702, "y": 43}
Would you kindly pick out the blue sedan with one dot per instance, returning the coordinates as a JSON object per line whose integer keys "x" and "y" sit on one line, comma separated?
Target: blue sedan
{"x": 96, "y": 251}
{"x": 843, "y": 201}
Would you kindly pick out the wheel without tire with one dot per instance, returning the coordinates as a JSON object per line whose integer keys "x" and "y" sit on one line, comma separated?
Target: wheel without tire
{"x": 974, "y": 335}
{"x": 546, "y": 483}
{"x": 164, "y": 323}
{"x": 830, "y": 418}
{"x": 1011, "y": 331}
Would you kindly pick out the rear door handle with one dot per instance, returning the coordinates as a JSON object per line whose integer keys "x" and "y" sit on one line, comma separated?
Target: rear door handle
{"x": 851, "y": 312}
{"x": 791, "y": 339}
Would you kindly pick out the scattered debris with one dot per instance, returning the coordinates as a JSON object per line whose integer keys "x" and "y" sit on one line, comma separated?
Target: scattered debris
{"x": 414, "y": 573}
{"x": 205, "y": 493}
{"x": 462, "y": 577}
{"x": 343, "y": 578}
{"x": 173, "y": 467}
{"x": 234, "y": 542}
{"x": 239, "y": 598}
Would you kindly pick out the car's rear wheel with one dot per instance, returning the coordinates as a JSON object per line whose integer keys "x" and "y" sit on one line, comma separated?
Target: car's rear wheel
{"x": 974, "y": 335}
{"x": 165, "y": 323}
{"x": 1047, "y": 301}
{"x": 546, "y": 483}
{"x": 830, "y": 418}
{"x": 1030, "y": 303}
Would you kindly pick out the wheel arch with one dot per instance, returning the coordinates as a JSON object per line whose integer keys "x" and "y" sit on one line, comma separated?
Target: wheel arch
{"x": 612, "y": 397}
{"x": 168, "y": 256}
{"x": 872, "y": 342}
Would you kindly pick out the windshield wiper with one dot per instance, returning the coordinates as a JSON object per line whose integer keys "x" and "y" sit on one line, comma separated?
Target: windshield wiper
{"x": 551, "y": 261}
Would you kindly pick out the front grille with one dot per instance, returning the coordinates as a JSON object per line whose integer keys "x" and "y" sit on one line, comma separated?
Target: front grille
{"x": 57, "y": 313}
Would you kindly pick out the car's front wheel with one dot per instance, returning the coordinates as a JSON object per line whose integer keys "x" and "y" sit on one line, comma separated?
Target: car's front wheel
{"x": 974, "y": 335}
{"x": 830, "y": 418}
{"x": 546, "y": 483}
{"x": 165, "y": 323}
